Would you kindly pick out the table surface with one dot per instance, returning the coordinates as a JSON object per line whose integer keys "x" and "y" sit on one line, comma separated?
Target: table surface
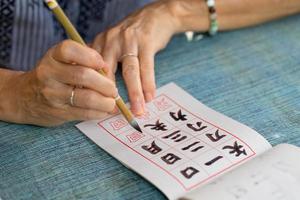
{"x": 251, "y": 75}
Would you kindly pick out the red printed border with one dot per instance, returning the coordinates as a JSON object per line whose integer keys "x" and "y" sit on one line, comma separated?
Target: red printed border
{"x": 169, "y": 173}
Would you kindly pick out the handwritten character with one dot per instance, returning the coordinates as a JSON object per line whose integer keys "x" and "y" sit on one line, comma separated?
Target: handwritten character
{"x": 189, "y": 172}
{"x": 179, "y": 117}
{"x": 153, "y": 148}
{"x": 192, "y": 145}
{"x": 159, "y": 126}
{"x": 198, "y": 128}
{"x": 170, "y": 158}
{"x": 215, "y": 137}
{"x": 213, "y": 160}
{"x": 236, "y": 148}
{"x": 176, "y": 136}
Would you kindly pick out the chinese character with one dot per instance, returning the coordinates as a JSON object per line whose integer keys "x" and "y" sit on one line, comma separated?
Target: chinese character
{"x": 192, "y": 145}
{"x": 236, "y": 149}
{"x": 199, "y": 128}
{"x": 157, "y": 126}
{"x": 213, "y": 160}
{"x": 135, "y": 136}
{"x": 216, "y": 136}
{"x": 170, "y": 158}
{"x": 176, "y": 136}
{"x": 162, "y": 104}
{"x": 189, "y": 172}
{"x": 153, "y": 149}
{"x": 118, "y": 124}
{"x": 180, "y": 116}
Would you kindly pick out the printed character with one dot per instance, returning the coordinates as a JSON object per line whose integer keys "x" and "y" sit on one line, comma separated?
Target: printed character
{"x": 118, "y": 124}
{"x": 135, "y": 136}
{"x": 162, "y": 104}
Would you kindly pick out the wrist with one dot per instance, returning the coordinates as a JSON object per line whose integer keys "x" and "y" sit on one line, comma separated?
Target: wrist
{"x": 190, "y": 15}
{"x": 8, "y": 99}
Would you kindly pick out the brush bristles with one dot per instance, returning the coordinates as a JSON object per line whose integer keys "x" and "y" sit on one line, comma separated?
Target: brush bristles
{"x": 136, "y": 126}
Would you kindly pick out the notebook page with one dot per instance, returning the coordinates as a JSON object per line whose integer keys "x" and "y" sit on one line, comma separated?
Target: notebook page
{"x": 184, "y": 144}
{"x": 273, "y": 175}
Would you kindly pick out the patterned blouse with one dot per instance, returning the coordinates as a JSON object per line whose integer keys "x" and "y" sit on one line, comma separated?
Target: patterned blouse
{"x": 28, "y": 28}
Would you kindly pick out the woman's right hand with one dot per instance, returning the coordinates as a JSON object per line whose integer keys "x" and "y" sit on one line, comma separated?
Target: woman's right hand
{"x": 43, "y": 95}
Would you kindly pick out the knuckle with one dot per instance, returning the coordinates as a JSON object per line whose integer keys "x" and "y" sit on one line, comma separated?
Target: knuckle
{"x": 130, "y": 71}
{"x": 134, "y": 94}
{"x": 94, "y": 58}
{"x": 40, "y": 73}
{"x": 90, "y": 99}
{"x": 65, "y": 48}
{"x": 111, "y": 34}
{"x": 88, "y": 114}
{"x": 92, "y": 114}
{"x": 114, "y": 31}
{"x": 80, "y": 75}
{"x": 45, "y": 92}
{"x": 147, "y": 68}
{"x": 48, "y": 96}
{"x": 128, "y": 33}
{"x": 111, "y": 103}
{"x": 111, "y": 89}
{"x": 95, "y": 55}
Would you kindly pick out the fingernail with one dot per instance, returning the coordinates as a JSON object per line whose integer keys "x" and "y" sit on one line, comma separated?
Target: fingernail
{"x": 148, "y": 97}
{"x": 114, "y": 111}
{"x": 138, "y": 108}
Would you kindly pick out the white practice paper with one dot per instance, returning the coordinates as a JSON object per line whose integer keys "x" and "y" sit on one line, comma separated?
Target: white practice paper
{"x": 183, "y": 146}
{"x": 273, "y": 175}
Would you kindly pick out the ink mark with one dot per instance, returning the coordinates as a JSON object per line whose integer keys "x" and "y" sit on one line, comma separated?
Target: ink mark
{"x": 213, "y": 160}
{"x": 198, "y": 128}
{"x": 236, "y": 148}
{"x": 216, "y": 137}
{"x": 159, "y": 126}
{"x": 153, "y": 148}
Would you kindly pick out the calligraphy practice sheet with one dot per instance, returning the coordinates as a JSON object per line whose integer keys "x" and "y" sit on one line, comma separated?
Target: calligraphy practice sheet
{"x": 183, "y": 146}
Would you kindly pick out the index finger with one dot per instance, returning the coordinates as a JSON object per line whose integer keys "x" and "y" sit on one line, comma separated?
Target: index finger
{"x": 71, "y": 52}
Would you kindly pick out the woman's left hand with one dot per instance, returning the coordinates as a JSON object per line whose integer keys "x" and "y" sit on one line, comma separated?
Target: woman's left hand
{"x": 134, "y": 42}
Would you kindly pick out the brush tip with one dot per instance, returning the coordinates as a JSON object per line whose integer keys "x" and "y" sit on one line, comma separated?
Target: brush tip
{"x": 136, "y": 126}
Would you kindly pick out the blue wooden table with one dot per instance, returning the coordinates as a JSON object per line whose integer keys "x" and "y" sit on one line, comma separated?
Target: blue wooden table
{"x": 251, "y": 75}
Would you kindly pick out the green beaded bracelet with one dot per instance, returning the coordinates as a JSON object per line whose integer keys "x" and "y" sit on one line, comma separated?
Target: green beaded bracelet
{"x": 213, "y": 29}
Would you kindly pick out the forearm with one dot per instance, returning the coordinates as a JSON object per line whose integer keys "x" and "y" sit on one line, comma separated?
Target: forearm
{"x": 232, "y": 14}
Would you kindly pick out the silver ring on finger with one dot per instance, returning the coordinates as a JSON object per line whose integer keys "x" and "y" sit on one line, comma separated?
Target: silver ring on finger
{"x": 72, "y": 96}
{"x": 127, "y": 55}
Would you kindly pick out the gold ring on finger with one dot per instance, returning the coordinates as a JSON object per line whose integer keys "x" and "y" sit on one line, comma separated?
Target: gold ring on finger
{"x": 128, "y": 55}
{"x": 72, "y": 96}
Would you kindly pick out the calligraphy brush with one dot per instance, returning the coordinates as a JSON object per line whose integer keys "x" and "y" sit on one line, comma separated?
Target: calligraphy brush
{"x": 74, "y": 35}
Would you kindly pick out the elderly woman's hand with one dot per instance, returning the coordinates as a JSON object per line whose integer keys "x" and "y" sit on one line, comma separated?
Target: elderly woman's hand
{"x": 134, "y": 42}
{"x": 43, "y": 96}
